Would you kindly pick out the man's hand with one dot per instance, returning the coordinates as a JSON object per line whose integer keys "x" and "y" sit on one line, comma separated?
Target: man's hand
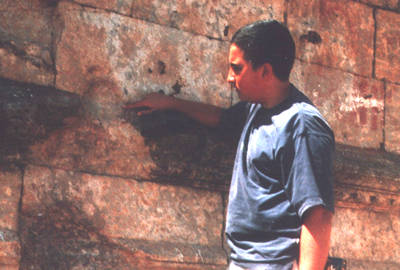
{"x": 151, "y": 103}
{"x": 206, "y": 114}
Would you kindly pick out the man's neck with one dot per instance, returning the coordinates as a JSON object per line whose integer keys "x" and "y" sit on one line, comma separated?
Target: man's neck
{"x": 276, "y": 94}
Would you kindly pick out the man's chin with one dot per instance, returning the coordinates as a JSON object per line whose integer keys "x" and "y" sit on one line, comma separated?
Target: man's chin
{"x": 241, "y": 97}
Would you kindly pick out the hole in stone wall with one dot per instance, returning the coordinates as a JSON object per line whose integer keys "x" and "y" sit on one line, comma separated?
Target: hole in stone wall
{"x": 226, "y": 30}
{"x": 312, "y": 37}
{"x": 177, "y": 87}
{"x": 161, "y": 67}
{"x": 372, "y": 199}
{"x": 391, "y": 202}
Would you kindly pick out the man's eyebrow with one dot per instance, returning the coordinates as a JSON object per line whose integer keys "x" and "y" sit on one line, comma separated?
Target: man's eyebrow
{"x": 235, "y": 65}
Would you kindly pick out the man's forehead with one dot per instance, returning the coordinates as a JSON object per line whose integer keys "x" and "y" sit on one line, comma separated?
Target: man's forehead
{"x": 235, "y": 53}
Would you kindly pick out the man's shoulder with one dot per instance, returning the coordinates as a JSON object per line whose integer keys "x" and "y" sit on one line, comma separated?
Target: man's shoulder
{"x": 302, "y": 117}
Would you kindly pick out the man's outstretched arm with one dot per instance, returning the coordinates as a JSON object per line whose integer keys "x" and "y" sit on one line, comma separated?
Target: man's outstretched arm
{"x": 315, "y": 239}
{"x": 206, "y": 114}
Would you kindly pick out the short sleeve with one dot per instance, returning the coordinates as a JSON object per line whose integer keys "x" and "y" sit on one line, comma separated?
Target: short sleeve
{"x": 309, "y": 176}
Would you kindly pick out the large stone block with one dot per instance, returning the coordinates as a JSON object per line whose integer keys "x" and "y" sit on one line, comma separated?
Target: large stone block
{"x": 392, "y": 121}
{"x": 338, "y": 34}
{"x": 15, "y": 67}
{"x": 353, "y": 105}
{"x": 388, "y": 45}
{"x": 106, "y": 220}
{"x": 217, "y": 19}
{"x": 10, "y": 191}
{"x": 366, "y": 238}
{"x": 25, "y": 41}
{"x": 367, "y": 179}
{"x": 110, "y": 58}
{"x": 120, "y": 6}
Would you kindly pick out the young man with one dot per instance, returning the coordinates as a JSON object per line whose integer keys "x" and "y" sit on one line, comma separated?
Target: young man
{"x": 281, "y": 196}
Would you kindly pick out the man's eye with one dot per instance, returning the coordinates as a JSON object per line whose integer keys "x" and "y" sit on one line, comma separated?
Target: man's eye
{"x": 236, "y": 69}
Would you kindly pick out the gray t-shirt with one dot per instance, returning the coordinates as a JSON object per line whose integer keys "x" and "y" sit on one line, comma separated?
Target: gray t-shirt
{"x": 283, "y": 167}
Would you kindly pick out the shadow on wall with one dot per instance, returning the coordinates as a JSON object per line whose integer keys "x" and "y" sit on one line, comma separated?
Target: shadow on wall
{"x": 30, "y": 112}
{"x": 185, "y": 152}
{"x": 63, "y": 237}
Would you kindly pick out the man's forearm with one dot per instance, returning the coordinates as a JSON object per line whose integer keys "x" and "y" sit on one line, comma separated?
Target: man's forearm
{"x": 315, "y": 239}
{"x": 206, "y": 114}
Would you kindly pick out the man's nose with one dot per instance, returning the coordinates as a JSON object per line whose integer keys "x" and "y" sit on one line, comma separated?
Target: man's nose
{"x": 230, "y": 78}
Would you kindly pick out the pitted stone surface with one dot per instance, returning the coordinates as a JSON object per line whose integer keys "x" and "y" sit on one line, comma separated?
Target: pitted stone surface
{"x": 126, "y": 213}
{"x": 111, "y": 58}
{"x": 25, "y": 43}
{"x": 387, "y": 46}
{"x": 337, "y": 34}
{"x": 355, "y": 230}
{"x": 353, "y": 105}
{"x": 216, "y": 19}
{"x": 392, "y": 121}
{"x": 9, "y": 255}
{"x": 112, "y": 148}
{"x": 10, "y": 191}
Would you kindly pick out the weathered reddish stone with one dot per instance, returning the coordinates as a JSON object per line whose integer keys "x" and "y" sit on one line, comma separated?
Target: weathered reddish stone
{"x": 217, "y": 19}
{"x": 9, "y": 255}
{"x": 10, "y": 190}
{"x": 388, "y": 46}
{"x": 165, "y": 223}
{"x": 112, "y": 148}
{"x": 119, "y": 6}
{"x": 390, "y": 4}
{"x": 111, "y": 58}
{"x": 14, "y": 67}
{"x": 25, "y": 43}
{"x": 367, "y": 179}
{"x": 366, "y": 236}
{"x": 352, "y": 105}
{"x": 392, "y": 118}
{"x": 33, "y": 23}
{"x": 338, "y": 34}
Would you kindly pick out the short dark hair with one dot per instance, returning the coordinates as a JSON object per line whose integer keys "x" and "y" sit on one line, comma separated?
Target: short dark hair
{"x": 267, "y": 42}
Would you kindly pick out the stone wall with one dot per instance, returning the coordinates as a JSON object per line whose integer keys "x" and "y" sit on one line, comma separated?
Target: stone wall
{"x": 88, "y": 185}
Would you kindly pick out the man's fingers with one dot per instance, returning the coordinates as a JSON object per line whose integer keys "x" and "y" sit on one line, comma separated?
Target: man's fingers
{"x": 134, "y": 105}
{"x": 143, "y": 112}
